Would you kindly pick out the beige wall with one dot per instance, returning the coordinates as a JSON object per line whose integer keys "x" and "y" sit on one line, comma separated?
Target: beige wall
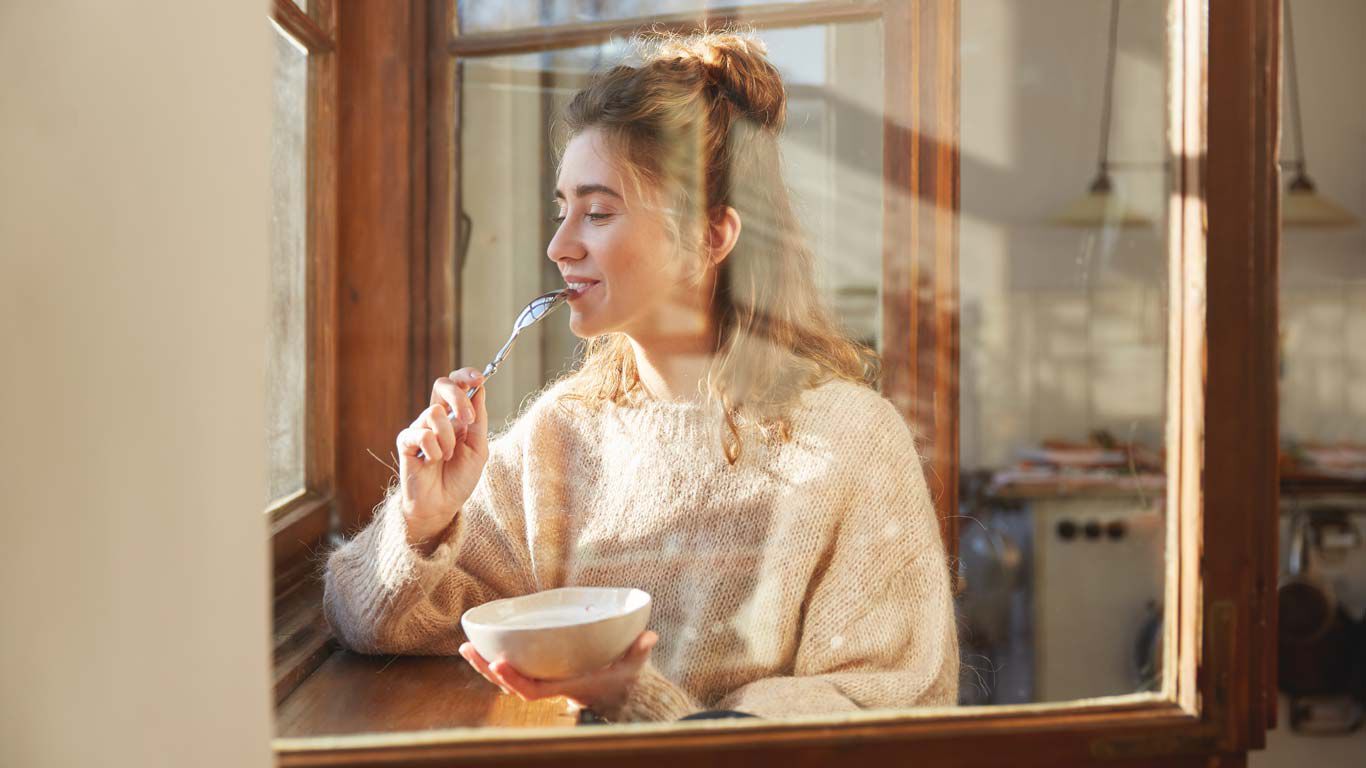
{"x": 1323, "y": 273}
{"x": 133, "y": 215}
{"x": 1064, "y": 330}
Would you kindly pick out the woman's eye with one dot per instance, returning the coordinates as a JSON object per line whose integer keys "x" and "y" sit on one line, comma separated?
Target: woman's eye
{"x": 595, "y": 217}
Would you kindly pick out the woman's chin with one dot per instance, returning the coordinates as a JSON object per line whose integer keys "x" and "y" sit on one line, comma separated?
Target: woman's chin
{"x": 581, "y": 327}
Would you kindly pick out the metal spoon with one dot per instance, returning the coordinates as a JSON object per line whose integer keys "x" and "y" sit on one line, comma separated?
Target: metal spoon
{"x": 533, "y": 313}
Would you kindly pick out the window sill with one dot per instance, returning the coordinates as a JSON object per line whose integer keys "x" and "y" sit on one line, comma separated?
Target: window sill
{"x": 351, "y": 693}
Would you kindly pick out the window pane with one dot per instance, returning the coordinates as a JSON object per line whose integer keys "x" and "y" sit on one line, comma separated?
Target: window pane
{"x": 1323, "y": 358}
{"x": 768, "y": 599}
{"x": 1064, "y": 308}
{"x": 484, "y": 16}
{"x": 833, "y": 160}
{"x": 1323, "y": 272}
{"x": 288, "y": 342}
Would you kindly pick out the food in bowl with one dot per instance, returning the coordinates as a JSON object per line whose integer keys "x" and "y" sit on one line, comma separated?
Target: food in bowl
{"x": 559, "y": 633}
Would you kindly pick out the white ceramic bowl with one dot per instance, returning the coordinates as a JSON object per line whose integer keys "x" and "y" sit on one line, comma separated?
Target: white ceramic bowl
{"x": 559, "y": 633}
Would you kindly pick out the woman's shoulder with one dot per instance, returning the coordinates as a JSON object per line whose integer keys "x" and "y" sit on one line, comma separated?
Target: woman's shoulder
{"x": 854, "y": 416}
{"x": 841, "y": 403}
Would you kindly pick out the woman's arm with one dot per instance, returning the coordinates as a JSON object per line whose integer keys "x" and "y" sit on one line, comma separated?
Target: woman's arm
{"x": 383, "y": 595}
{"x": 895, "y": 650}
{"x": 652, "y": 698}
{"x": 879, "y": 630}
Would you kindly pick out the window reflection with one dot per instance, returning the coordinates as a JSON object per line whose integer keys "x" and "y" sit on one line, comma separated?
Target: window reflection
{"x": 832, "y": 152}
{"x": 1322, "y": 367}
{"x": 287, "y": 348}
{"x": 1064, "y": 343}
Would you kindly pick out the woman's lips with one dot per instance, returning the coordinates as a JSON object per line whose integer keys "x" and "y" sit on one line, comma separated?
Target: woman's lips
{"x": 576, "y": 293}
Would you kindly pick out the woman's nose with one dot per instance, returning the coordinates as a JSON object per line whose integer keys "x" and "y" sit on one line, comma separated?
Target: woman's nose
{"x": 564, "y": 246}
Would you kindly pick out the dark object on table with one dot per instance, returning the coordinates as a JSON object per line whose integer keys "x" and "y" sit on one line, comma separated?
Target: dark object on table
{"x": 589, "y": 717}
{"x": 1307, "y": 604}
{"x": 716, "y": 714}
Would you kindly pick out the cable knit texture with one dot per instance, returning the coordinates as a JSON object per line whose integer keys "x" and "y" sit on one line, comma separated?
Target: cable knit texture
{"x": 809, "y": 578}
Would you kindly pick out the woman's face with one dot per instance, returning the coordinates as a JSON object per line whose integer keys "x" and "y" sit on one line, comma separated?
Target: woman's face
{"x": 614, "y": 249}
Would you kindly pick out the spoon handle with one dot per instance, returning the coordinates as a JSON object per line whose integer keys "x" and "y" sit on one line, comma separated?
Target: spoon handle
{"x": 534, "y": 313}
{"x": 489, "y": 370}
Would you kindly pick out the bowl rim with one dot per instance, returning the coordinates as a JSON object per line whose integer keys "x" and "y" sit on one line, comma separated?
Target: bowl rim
{"x": 465, "y": 621}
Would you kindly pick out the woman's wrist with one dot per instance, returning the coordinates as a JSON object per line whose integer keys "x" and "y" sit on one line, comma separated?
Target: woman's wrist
{"x": 424, "y": 540}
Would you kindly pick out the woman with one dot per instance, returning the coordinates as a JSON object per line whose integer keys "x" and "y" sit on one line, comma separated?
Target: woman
{"x": 720, "y": 447}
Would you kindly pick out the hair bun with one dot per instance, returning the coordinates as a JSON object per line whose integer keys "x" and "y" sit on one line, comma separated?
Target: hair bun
{"x": 735, "y": 63}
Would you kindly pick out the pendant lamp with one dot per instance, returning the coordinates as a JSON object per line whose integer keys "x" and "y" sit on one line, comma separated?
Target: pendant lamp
{"x": 1302, "y": 205}
{"x": 1100, "y": 206}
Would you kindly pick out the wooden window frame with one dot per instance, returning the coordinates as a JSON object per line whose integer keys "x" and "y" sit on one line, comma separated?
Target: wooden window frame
{"x": 1219, "y": 683}
{"x": 299, "y": 526}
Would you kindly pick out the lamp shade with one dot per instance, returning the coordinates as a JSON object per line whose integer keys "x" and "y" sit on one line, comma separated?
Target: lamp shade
{"x": 1101, "y": 207}
{"x": 1303, "y": 206}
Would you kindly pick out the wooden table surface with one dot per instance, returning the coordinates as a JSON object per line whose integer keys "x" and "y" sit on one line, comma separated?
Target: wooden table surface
{"x": 352, "y": 693}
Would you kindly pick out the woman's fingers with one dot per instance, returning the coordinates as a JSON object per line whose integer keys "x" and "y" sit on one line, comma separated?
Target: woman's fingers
{"x": 482, "y": 667}
{"x": 479, "y": 430}
{"x": 521, "y": 684}
{"x": 453, "y": 392}
{"x": 413, "y": 439}
{"x": 640, "y": 649}
{"x": 436, "y": 419}
{"x": 503, "y": 675}
{"x": 448, "y": 397}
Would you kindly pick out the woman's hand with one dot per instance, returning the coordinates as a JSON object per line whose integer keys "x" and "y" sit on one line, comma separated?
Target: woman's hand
{"x": 604, "y": 689}
{"x": 433, "y": 488}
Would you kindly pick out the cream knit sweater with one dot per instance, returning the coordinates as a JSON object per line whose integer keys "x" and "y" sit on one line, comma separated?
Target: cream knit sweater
{"x": 809, "y": 578}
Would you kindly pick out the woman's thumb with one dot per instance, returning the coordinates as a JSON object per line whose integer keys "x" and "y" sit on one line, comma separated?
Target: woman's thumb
{"x": 646, "y": 642}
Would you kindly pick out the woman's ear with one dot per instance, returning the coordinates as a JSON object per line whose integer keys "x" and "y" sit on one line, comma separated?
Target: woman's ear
{"x": 723, "y": 230}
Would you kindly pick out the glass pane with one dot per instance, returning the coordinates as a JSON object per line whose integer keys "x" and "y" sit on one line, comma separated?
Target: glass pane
{"x": 1322, "y": 373}
{"x": 806, "y": 575}
{"x": 288, "y": 338}
{"x": 832, "y": 157}
{"x": 1064, "y": 309}
{"x": 484, "y": 16}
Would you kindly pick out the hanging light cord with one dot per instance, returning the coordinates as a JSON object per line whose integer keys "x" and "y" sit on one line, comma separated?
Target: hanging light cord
{"x": 1294, "y": 88}
{"x": 1109, "y": 91}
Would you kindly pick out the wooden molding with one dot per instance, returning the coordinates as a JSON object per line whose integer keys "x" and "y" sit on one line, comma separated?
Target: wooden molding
{"x": 1241, "y": 438}
{"x": 299, "y": 527}
{"x": 375, "y": 239}
{"x": 774, "y": 16}
{"x": 301, "y": 27}
{"x": 298, "y": 532}
{"x": 920, "y": 240}
{"x": 302, "y": 639}
{"x": 441, "y": 174}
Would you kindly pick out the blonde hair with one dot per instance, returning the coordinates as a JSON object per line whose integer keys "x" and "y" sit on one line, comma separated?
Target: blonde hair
{"x": 698, "y": 118}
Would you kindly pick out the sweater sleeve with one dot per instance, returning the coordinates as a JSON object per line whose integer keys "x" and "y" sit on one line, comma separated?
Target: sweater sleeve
{"x": 879, "y": 629}
{"x": 653, "y": 698}
{"x": 381, "y": 595}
